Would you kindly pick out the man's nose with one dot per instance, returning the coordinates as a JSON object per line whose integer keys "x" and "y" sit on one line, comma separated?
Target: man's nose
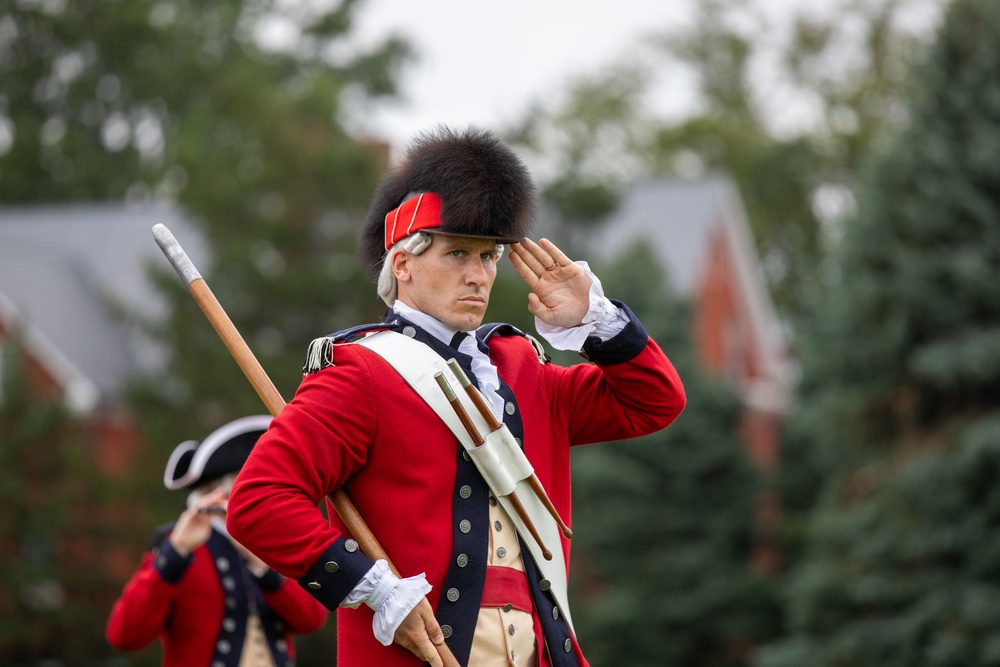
{"x": 475, "y": 272}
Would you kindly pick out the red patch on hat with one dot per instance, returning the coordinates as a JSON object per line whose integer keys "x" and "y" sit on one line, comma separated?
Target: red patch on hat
{"x": 420, "y": 212}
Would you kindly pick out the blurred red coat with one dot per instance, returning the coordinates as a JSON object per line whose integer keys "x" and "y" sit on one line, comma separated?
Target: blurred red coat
{"x": 199, "y": 606}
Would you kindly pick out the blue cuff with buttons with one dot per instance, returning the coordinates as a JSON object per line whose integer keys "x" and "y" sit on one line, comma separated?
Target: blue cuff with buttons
{"x": 169, "y": 564}
{"x": 336, "y": 572}
{"x": 627, "y": 345}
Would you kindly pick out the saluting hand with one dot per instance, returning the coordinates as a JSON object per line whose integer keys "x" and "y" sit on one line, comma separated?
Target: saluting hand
{"x": 560, "y": 290}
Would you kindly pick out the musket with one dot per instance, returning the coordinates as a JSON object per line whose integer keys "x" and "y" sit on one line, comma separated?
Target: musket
{"x": 261, "y": 383}
{"x": 478, "y": 441}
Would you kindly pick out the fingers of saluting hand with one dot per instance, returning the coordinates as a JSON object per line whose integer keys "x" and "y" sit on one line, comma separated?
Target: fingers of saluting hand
{"x": 540, "y": 261}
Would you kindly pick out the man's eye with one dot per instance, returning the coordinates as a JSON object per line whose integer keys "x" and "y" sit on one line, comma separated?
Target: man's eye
{"x": 455, "y": 253}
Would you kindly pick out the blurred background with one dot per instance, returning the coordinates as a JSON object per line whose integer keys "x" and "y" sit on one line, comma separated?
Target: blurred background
{"x": 800, "y": 200}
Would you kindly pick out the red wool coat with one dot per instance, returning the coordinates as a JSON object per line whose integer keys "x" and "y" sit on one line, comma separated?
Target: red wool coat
{"x": 357, "y": 425}
{"x": 198, "y": 607}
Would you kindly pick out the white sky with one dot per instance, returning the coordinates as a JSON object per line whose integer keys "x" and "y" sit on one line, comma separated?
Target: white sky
{"x": 485, "y": 62}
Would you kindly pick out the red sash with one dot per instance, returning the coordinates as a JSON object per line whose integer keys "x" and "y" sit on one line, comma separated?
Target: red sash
{"x": 507, "y": 586}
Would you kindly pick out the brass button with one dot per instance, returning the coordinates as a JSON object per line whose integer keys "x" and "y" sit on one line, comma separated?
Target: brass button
{"x": 229, "y": 625}
{"x": 281, "y": 645}
{"x": 452, "y": 595}
{"x": 331, "y": 566}
{"x": 510, "y": 628}
{"x": 507, "y": 607}
{"x": 231, "y": 603}
{"x": 567, "y": 646}
{"x": 351, "y": 545}
{"x": 493, "y": 501}
{"x": 222, "y": 564}
{"x": 465, "y": 455}
{"x": 498, "y": 525}
{"x": 229, "y": 583}
{"x": 555, "y": 613}
{"x": 446, "y": 631}
{"x": 545, "y": 584}
{"x": 314, "y": 585}
{"x": 465, "y": 525}
{"x": 509, "y": 408}
{"x": 462, "y": 560}
{"x": 409, "y": 331}
{"x": 223, "y": 646}
{"x": 501, "y": 552}
{"x": 465, "y": 491}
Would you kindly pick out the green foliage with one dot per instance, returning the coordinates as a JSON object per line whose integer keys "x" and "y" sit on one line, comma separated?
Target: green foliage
{"x": 181, "y": 101}
{"x": 53, "y": 532}
{"x": 666, "y": 524}
{"x": 797, "y": 179}
{"x": 132, "y": 98}
{"x": 896, "y": 563}
{"x": 907, "y": 575}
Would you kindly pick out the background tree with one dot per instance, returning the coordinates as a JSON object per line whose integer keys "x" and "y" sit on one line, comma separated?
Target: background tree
{"x": 662, "y": 569}
{"x": 57, "y": 512}
{"x": 785, "y": 112}
{"x": 195, "y": 103}
{"x": 901, "y": 375}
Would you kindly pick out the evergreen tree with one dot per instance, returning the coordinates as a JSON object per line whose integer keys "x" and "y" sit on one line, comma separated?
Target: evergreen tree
{"x": 900, "y": 382}
{"x": 666, "y": 524}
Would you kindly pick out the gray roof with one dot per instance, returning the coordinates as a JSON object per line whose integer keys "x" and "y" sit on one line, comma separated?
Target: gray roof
{"x": 678, "y": 220}
{"x": 74, "y": 281}
{"x": 675, "y": 217}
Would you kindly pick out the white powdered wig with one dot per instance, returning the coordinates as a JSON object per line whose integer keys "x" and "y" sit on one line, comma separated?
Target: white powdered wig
{"x": 414, "y": 244}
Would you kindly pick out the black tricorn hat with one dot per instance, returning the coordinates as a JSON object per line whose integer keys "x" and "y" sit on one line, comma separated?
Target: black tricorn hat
{"x": 482, "y": 187}
{"x": 223, "y": 451}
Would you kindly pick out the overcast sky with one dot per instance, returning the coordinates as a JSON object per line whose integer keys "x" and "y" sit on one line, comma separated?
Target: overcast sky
{"x": 484, "y": 63}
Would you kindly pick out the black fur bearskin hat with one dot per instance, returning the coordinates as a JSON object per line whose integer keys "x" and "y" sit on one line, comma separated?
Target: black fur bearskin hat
{"x": 473, "y": 185}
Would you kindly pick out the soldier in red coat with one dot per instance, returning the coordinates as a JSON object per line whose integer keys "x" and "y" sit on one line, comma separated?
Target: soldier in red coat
{"x": 209, "y": 600}
{"x": 472, "y": 591}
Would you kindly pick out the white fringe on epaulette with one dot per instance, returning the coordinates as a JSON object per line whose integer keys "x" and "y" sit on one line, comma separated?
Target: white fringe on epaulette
{"x": 318, "y": 356}
{"x": 539, "y": 350}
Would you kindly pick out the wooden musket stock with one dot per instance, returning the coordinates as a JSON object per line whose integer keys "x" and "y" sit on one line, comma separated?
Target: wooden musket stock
{"x": 254, "y": 372}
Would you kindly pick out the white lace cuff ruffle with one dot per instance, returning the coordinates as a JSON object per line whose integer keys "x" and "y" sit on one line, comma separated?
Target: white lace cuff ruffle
{"x": 390, "y": 597}
{"x": 603, "y": 319}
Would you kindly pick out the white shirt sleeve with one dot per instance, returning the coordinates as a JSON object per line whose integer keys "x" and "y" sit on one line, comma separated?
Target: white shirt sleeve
{"x": 390, "y": 597}
{"x": 603, "y": 319}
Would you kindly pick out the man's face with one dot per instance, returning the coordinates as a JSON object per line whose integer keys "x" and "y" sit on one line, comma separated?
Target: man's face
{"x": 451, "y": 280}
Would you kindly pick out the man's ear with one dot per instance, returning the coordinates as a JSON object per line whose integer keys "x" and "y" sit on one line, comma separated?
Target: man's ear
{"x": 401, "y": 266}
